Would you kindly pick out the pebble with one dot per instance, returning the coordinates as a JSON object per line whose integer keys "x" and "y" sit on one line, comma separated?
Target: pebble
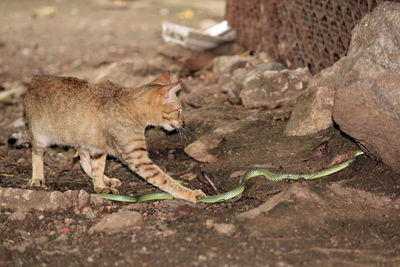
{"x": 225, "y": 228}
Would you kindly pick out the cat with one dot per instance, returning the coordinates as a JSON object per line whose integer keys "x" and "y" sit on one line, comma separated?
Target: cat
{"x": 100, "y": 119}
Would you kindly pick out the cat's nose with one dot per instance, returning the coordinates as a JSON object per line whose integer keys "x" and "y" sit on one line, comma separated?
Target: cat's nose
{"x": 176, "y": 124}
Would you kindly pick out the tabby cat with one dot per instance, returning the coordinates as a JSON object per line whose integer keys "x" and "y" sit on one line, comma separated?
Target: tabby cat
{"x": 101, "y": 119}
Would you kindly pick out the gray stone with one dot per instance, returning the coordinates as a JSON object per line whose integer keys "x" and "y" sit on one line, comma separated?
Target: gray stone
{"x": 227, "y": 64}
{"x": 367, "y": 103}
{"x": 312, "y": 113}
{"x": 273, "y": 88}
{"x": 232, "y": 84}
{"x": 123, "y": 220}
{"x": 270, "y": 66}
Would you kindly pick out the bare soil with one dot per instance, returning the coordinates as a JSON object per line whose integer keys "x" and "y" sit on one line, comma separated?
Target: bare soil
{"x": 350, "y": 218}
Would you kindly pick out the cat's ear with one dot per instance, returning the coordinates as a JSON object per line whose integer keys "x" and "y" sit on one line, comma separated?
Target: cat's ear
{"x": 162, "y": 79}
{"x": 168, "y": 92}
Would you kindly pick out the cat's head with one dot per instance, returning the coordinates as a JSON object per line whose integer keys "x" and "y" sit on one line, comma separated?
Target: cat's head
{"x": 166, "y": 105}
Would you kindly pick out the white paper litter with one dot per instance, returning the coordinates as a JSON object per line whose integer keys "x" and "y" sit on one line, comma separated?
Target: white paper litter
{"x": 196, "y": 39}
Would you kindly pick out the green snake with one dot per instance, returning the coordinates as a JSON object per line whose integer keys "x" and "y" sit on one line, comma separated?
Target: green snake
{"x": 240, "y": 187}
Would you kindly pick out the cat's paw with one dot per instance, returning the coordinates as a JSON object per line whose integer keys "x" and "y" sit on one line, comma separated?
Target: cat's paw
{"x": 112, "y": 182}
{"x": 195, "y": 195}
{"x": 102, "y": 189}
{"x": 37, "y": 182}
{"x": 114, "y": 191}
{"x": 106, "y": 190}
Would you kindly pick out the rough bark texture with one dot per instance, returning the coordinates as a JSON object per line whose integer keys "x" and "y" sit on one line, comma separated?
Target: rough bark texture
{"x": 367, "y": 102}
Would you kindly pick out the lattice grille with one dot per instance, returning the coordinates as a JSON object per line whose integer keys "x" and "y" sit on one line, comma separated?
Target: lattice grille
{"x": 312, "y": 33}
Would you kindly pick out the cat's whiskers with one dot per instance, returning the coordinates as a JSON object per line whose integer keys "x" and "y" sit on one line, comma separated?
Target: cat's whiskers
{"x": 185, "y": 128}
{"x": 182, "y": 133}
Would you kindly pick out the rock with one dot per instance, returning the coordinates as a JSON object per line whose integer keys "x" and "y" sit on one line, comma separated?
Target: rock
{"x": 227, "y": 64}
{"x": 236, "y": 85}
{"x": 312, "y": 113}
{"x": 224, "y": 228}
{"x": 17, "y": 199}
{"x": 123, "y": 220}
{"x": 58, "y": 199}
{"x": 88, "y": 213}
{"x": 273, "y": 88}
{"x": 79, "y": 201}
{"x": 367, "y": 103}
{"x": 232, "y": 72}
{"x": 83, "y": 199}
{"x": 269, "y": 66}
{"x": 221, "y": 228}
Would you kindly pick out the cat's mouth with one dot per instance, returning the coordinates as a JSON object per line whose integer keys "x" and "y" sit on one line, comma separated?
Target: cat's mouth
{"x": 172, "y": 126}
{"x": 168, "y": 127}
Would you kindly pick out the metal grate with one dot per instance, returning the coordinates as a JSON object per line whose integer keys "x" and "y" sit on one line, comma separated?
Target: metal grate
{"x": 299, "y": 33}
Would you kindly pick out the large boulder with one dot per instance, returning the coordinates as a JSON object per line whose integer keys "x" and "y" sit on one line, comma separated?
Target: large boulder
{"x": 367, "y": 101}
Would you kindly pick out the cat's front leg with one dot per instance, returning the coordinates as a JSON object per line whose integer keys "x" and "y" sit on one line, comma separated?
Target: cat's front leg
{"x": 134, "y": 153}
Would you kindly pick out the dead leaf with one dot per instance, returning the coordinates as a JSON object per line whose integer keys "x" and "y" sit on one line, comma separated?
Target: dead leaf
{"x": 195, "y": 64}
{"x": 199, "y": 150}
{"x": 188, "y": 176}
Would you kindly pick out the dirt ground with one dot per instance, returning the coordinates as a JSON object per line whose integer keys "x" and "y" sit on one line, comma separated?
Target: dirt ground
{"x": 350, "y": 218}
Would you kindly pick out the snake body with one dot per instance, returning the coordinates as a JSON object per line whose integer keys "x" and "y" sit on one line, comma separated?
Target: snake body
{"x": 241, "y": 186}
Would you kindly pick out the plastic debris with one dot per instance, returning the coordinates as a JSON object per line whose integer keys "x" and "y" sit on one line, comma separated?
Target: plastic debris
{"x": 196, "y": 39}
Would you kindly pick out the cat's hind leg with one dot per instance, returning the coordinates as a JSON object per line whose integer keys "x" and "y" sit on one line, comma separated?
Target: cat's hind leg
{"x": 94, "y": 166}
{"x": 84, "y": 160}
{"x": 37, "y": 166}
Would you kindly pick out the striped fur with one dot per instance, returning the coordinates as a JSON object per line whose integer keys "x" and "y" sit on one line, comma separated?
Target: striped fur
{"x": 101, "y": 119}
